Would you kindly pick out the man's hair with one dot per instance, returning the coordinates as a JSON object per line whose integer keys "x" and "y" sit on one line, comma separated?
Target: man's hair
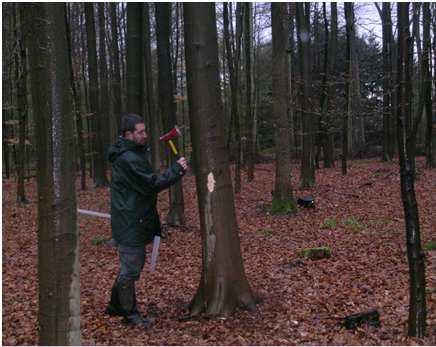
{"x": 129, "y": 121}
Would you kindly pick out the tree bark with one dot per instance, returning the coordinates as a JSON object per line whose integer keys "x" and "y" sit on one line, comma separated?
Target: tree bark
{"x": 153, "y": 117}
{"x": 223, "y": 285}
{"x": 77, "y": 111}
{"x": 283, "y": 199}
{"x": 426, "y": 75}
{"x": 406, "y": 134}
{"x": 176, "y": 214}
{"x": 58, "y": 253}
{"x": 22, "y": 107}
{"x": 233, "y": 66}
{"x": 308, "y": 119}
{"x": 135, "y": 54}
{"x": 116, "y": 80}
{"x": 100, "y": 178}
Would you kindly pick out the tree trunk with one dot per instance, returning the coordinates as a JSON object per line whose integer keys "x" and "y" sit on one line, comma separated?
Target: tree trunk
{"x": 249, "y": 155}
{"x": 153, "y": 117}
{"x": 176, "y": 214}
{"x": 233, "y": 66}
{"x": 77, "y": 107}
{"x": 426, "y": 73}
{"x": 116, "y": 80}
{"x": 100, "y": 178}
{"x": 308, "y": 121}
{"x": 58, "y": 253}
{"x": 283, "y": 200}
{"x": 223, "y": 285}
{"x": 104, "y": 85}
{"x": 346, "y": 138}
{"x": 135, "y": 54}
{"x": 417, "y": 305}
{"x": 22, "y": 107}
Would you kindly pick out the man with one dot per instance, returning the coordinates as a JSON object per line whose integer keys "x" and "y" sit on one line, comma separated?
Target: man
{"x": 134, "y": 217}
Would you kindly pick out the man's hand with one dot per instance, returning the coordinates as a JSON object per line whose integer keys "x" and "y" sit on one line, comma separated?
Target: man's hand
{"x": 183, "y": 163}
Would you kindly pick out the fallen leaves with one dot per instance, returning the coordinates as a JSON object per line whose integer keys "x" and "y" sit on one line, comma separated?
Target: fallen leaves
{"x": 302, "y": 301}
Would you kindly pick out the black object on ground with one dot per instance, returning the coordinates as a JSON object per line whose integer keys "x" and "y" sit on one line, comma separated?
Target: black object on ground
{"x": 371, "y": 317}
{"x": 306, "y": 201}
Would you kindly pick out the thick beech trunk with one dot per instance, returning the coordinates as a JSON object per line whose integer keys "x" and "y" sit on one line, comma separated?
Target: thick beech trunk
{"x": 58, "y": 252}
{"x": 223, "y": 285}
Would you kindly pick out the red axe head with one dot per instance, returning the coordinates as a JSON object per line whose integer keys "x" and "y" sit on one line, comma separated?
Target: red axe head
{"x": 174, "y": 132}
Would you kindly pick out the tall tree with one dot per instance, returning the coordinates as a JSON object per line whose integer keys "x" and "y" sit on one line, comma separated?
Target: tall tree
{"x": 100, "y": 165}
{"x": 135, "y": 56}
{"x": 176, "y": 214}
{"x": 283, "y": 200}
{"x": 153, "y": 118}
{"x": 308, "y": 119}
{"x": 426, "y": 75}
{"x": 116, "y": 79}
{"x": 104, "y": 84}
{"x": 223, "y": 285}
{"x": 58, "y": 253}
{"x": 233, "y": 66}
{"x": 77, "y": 109}
{"x": 406, "y": 133}
{"x": 249, "y": 136}
{"x": 387, "y": 51}
{"x": 22, "y": 107}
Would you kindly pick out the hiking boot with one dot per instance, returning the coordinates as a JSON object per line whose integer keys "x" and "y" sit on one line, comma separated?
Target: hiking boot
{"x": 138, "y": 321}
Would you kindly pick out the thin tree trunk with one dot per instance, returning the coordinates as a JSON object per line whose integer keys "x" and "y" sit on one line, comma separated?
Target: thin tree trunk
{"x": 100, "y": 178}
{"x": 308, "y": 153}
{"x": 116, "y": 81}
{"x": 348, "y": 66}
{"x": 77, "y": 106}
{"x": 223, "y": 286}
{"x": 22, "y": 107}
{"x": 405, "y": 133}
{"x": 176, "y": 214}
{"x": 153, "y": 115}
{"x": 58, "y": 253}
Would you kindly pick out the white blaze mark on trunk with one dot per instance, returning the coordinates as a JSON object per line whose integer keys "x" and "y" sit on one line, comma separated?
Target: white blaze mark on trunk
{"x": 210, "y": 182}
{"x": 209, "y": 218}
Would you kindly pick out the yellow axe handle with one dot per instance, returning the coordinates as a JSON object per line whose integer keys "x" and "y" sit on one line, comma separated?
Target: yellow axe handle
{"x": 173, "y": 148}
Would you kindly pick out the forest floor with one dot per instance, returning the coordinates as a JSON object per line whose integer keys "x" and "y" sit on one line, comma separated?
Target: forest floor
{"x": 360, "y": 217}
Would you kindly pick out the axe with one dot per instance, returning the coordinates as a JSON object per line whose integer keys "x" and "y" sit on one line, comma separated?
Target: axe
{"x": 169, "y": 136}
{"x": 156, "y": 240}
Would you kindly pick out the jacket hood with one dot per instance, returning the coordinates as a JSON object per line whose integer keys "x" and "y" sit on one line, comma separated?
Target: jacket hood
{"x": 123, "y": 145}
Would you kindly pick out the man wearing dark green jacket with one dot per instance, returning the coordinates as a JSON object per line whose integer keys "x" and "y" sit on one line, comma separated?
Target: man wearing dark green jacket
{"x": 134, "y": 217}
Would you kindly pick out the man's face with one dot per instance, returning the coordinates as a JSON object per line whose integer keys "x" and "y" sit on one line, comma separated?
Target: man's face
{"x": 139, "y": 135}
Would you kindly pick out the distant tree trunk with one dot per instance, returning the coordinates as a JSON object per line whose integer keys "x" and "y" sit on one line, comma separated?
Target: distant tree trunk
{"x": 135, "y": 56}
{"x": 100, "y": 178}
{"x": 116, "y": 80}
{"x": 426, "y": 72}
{"x": 434, "y": 82}
{"x": 22, "y": 107}
{"x": 153, "y": 116}
{"x": 348, "y": 85}
{"x": 308, "y": 121}
{"x": 58, "y": 252}
{"x": 283, "y": 199}
{"x": 223, "y": 286}
{"x": 388, "y": 124}
{"x": 406, "y": 134}
{"x": 104, "y": 85}
{"x": 249, "y": 155}
{"x": 233, "y": 65}
{"x": 176, "y": 214}
{"x": 77, "y": 107}
{"x": 292, "y": 85}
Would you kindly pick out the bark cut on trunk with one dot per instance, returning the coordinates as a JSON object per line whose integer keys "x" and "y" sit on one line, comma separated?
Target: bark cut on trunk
{"x": 58, "y": 252}
{"x": 406, "y": 134}
{"x": 223, "y": 285}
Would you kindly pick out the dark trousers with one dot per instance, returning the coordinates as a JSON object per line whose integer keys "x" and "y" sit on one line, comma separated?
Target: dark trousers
{"x": 132, "y": 260}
